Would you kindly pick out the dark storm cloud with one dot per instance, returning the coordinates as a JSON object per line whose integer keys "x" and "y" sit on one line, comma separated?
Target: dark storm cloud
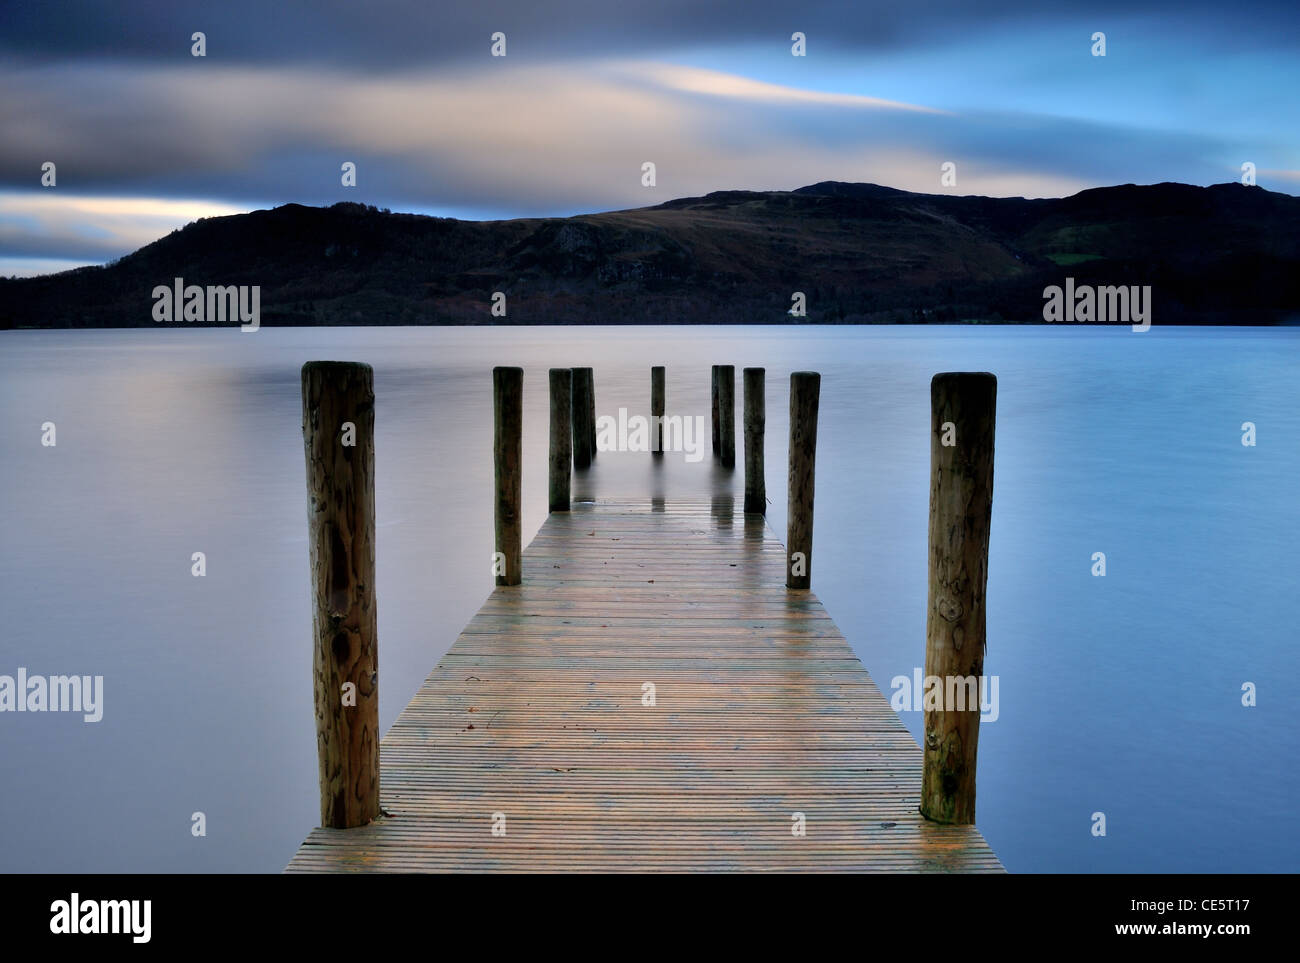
{"x": 402, "y": 33}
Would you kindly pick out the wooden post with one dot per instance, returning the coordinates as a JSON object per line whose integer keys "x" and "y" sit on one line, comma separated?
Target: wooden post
{"x": 561, "y": 438}
{"x": 755, "y": 428}
{"x": 657, "y": 409}
{"x": 962, "y": 408}
{"x": 805, "y": 391}
{"x": 338, "y": 433}
{"x": 584, "y": 417}
{"x": 713, "y": 394}
{"x": 508, "y": 409}
{"x": 591, "y": 409}
{"x": 727, "y": 414}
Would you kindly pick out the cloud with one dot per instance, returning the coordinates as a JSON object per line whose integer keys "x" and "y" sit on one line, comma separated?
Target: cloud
{"x": 90, "y": 230}
{"x": 525, "y": 139}
{"x": 29, "y": 267}
{"x": 416, "y": 33}
{"x": 696, "y": 80}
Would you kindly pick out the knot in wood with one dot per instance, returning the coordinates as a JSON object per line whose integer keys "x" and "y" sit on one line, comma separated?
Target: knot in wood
{"x": 950, "y": 609}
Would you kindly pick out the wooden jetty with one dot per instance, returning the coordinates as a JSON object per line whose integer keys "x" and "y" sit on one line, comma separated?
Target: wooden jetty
{"x": 650, "y": 696}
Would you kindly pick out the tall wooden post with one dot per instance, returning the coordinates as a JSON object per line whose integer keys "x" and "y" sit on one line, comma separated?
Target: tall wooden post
{"x": 755, "y": 428}
{"x": 338, "y": 432}
{"x": 962, "y": 409}
{"x": 584, "y": 417}
{"x": 727, "y": 415}
{"x": 657, "y": 408}
{"x": 713, "y": 396}
{"x": 561, "y": 438}
{"x": 591, "y": 409}
{"x": 805, "y": 392}
{"x": 508, "y": 411}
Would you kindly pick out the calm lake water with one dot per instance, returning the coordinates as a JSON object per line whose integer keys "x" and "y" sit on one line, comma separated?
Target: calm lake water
{"x": 1120, "y": 694}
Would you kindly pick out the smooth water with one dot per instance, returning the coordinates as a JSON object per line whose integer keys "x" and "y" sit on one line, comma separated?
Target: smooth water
{"x": 1119, "y": 694}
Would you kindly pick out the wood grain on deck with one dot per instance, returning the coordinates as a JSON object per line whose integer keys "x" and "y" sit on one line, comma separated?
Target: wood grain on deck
{"x": 762, "y": 711}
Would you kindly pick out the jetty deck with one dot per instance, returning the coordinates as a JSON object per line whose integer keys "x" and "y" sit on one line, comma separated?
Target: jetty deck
{"x": 538, "y": 714}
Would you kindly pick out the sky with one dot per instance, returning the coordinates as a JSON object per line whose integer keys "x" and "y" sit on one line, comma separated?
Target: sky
{"x": 146, "y": 137}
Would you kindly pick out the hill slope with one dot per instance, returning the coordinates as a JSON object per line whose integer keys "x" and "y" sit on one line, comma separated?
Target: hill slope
{"x": 859, "y": 252}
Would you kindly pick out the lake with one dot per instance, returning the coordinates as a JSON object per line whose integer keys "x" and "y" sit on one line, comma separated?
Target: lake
{"x": 1119, "y": 694}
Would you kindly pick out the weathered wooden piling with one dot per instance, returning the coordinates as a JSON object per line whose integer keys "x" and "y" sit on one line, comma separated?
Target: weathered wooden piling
{"x": 561, "y": 473}
{"x": 590, "y": 375}
{"x": 755, "y": 428}
{"x": 584, "y": 417}
{"x": 727, "y": 415}
{"x": 962, "y": 410}
{"x": 338, "y": 430}
{"x": 657, "y": 408}
{"x": 508, "y": 416}
{"x": 713, "y": 398}
{"x": 805, "y": 392}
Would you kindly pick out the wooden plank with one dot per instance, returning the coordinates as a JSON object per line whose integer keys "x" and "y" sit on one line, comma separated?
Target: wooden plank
{"x": 762, "y": 712}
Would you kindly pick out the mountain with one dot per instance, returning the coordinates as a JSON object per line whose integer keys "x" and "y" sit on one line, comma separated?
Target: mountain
{"x": 1226, "y": 254}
